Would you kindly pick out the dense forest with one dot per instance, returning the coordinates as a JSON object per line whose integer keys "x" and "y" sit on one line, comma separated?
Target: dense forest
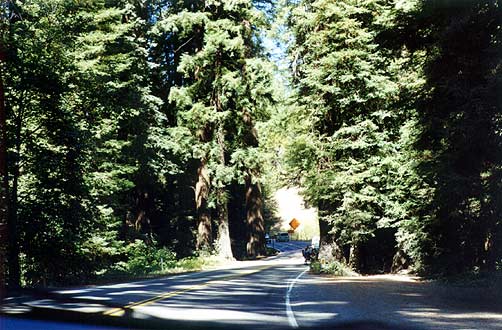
{"x": 134, "y": 132}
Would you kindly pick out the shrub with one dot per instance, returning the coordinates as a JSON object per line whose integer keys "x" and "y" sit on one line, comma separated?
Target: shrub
{"x": 333, "y": 268}
{"x": 143, "y": 258}
{"x": 315, "y": 267}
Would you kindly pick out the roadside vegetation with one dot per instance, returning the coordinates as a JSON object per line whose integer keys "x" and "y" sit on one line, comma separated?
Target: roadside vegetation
{"x": 143, "y": 260}
{"x": 143, "y": 137}
{"x": 334, "y": 268}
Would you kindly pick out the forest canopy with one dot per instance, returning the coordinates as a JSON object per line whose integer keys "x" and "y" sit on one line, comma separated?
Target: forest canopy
{"x": 135, "y": 132}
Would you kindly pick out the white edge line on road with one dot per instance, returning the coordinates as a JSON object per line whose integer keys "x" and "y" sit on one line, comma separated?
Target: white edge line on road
{"x": 289, "y": 311}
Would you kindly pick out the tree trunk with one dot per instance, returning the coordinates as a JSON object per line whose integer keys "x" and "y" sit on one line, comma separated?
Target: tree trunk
{"x": 204, "y": 228}
{"x": 14, "y": 267}
{"x": 224, "y": 245}
{"x": 255, "y": 224}
{"x": 4, "y": 188}
{"x": 329, "y": 250}
{"x": 326, "y": 238}
{"x": 490, "y": 256}
{"x": 255, "y": 244}
{"x": 399, "y": 261}
{"x": 354, "y": 256}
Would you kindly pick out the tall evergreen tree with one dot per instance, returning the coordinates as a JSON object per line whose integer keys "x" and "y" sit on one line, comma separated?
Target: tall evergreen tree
{"x": 459, "y": 133}
{"x": 211, "y": 103}
{"x": 345, "y": 86}
{"x": 46, "y": 144}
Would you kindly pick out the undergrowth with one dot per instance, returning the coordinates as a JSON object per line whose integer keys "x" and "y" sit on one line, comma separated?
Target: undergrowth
{"x": 145, "y": 261}
{"x": 332, "y": 268}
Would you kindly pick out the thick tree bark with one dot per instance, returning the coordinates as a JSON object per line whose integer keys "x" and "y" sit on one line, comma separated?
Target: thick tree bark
{"x": 255, "y": 245}
{"x": 237, "y": 219}
{"x": 204, "y": 228}
{"x": 255, "y": 224}
{"x": 223, "y": 243}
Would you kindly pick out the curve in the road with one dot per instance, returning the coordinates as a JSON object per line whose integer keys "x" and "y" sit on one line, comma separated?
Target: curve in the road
{"x": 289, "y": 311}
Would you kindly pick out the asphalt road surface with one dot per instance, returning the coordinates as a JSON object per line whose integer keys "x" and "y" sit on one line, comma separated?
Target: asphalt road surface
{"x": 277, "y": 292}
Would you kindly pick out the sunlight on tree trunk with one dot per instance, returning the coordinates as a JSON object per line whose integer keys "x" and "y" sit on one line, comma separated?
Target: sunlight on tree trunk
{"x": 223, "y": 243}
{"x": 204, "y": 228}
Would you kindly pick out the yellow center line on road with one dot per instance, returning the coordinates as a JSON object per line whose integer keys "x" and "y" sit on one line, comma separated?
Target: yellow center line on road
{"x": 119, "y": 311}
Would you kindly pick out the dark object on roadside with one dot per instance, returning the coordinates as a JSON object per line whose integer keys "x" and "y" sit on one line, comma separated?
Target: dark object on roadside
{"x": 310, "y": 254}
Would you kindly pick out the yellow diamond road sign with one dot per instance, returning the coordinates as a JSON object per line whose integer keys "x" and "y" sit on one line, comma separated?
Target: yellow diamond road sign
{"x": 294, "y": 223}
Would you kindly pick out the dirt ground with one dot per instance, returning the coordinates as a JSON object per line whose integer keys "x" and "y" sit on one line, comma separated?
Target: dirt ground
{"x": 396, "y": 301}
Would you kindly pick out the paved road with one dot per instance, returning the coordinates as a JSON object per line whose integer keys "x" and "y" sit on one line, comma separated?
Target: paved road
{"x": 249, "y": 293}
{"x": 272, "y": 293}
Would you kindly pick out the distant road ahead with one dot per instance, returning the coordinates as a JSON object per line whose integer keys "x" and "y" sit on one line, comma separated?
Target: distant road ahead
{"x": 292, "y": 246}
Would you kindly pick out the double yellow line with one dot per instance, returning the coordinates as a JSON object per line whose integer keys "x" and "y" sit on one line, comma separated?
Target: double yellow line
{"x": 119, "y": 311}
